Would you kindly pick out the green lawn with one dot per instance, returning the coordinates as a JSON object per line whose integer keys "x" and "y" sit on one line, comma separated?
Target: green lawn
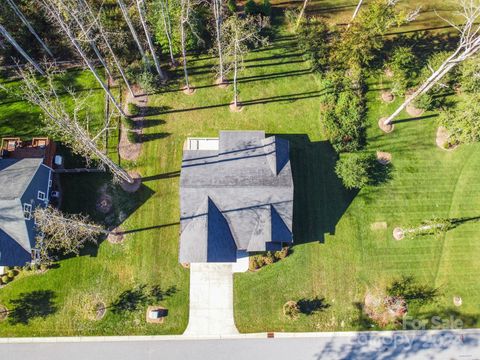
{"x": 336, "y": 255}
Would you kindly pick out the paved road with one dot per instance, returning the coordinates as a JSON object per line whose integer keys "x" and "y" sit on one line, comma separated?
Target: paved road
{"x": 364, "y": 346}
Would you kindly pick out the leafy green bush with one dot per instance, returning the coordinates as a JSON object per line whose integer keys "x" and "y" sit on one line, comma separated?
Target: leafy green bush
{"x": 128, "y": 122}
{"x": 343, "y": 119}
{"x": 11, "y": 274}
{"x": 426, "y": 102}
{"x": 355, "y": 170}
{"x": 251, "y": 8}
{"x": 5, "y": 279}
{"x": 282, "y": 254}
{"x": 266, "y": 8}
{"x": 133, "y": 109}
{"x": 232, "y": 6}
{"x": 148, "y": 82}
{"x": 404, "y": 65}
{"x": 463, "y": 120}
{"x": 314, "y": 43}
{"x": 470, "y": 75}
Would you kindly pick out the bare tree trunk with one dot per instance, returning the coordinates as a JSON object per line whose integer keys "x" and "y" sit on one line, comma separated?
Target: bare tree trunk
{"x": 217, "y": 11}
{"x": 66, "y": 29}
{"x": 124, "y": 10}
{"x": 355, "y": 13}
{"x": 29, "y": 26}
{"x": 184, "y": 55}
{"x": 168, "y": 31}
{"x": 149, "y": 40}
{"x": 235, "y": 71}
{"x": 107, "y": 43}
{"x": 300, "y": 16}
{"x": 12, "y": 41}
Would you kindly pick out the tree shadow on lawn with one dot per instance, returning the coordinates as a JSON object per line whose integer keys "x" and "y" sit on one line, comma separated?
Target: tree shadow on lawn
{"x": 320, "y": 199}
{"x": 311, "y": 306}
{"x": 34, "y": 304}
{"x": 141, "y": 295}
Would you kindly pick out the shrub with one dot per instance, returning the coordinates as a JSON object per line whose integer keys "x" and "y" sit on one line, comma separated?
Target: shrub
{"x": 133, "y": 109}
{"x": 404, "y": 65}
{"x": 355, "y": 170}
{"x": 269, "y": 258}
{"x": 343, "y": 119}
{"x": 232, "y": 5}
{"x": 291, "y": 309}
{"x": 266, "y": 8}
{"x": 470, "y": 75}
{"x": 43, "y": 267}
{"x": 128, "y": 122}
{"x": 5, "y": 279}
{"x": 147, "y": 81}
{"x": 11, "y": 274}
{"x": 282, "y": 254}
{"x": 251, "y": 8}
{"x": 132, "y": 136}
{"x": 426, "y": 102}
{"x": 314, "y": 42}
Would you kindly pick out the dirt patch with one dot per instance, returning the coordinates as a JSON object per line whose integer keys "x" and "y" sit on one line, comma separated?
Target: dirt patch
{"x": 116, "y": 236}
{"x": 411, "y": 109}
{"x": 185, "y": 265}
{"x": 380, "y": 225}
{"x": 457, "y": 301}
{"x": 221, "y": 83}
{"x": 189, "y": 91}
{"x": 3, "y": 312}
{"x": 387, "y": 96}
{"x": 442, "y": 139}
{"x": 163, "y": 312}
{"x": 126, "y": 149}
{"x": 384, "y": 158}
{"x": 398, "y": 233}
{"x": 132, "y": 187}
{"x": 237, "y": 108}
{"x": 385, "y": 128}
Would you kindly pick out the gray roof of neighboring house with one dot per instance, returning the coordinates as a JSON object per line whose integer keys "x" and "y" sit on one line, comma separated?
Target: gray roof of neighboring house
{"x": 237, "y": 198}
{"x": 15, "y": 177}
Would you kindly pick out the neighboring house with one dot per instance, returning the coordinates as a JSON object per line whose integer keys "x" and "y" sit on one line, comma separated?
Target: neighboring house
{"x": 236, "y": 194}
{"x": 24, "y": 185}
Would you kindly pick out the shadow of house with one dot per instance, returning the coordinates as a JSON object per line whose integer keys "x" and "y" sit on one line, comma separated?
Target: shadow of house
{"x": 320, "y": 199}
{"x": 31, "y": 305}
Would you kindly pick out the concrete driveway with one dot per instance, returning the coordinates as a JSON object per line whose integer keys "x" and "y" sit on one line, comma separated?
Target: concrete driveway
{"x": 211, "y": 300}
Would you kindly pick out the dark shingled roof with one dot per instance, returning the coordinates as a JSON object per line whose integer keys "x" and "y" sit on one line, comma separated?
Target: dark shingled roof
{"x": 239, "y": 197}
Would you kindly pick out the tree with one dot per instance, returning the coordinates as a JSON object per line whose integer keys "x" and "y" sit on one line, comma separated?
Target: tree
{"x": 403, "y": 64}
{"x": 20, "y": 15}
{"x": 58, "y": 16}
{"x": 167, "y": 25}
{"x": 65, "y": 234}
{"x": 60, "y": 123}
{"x": 300, "y": 15}
{"x": 124, "y": 10}
{"x": 101, "y": 31}
{"x": 468, "y": 45}
{"x": 355, "y": 170}
{"x": 463, "y": 120}
{"x": 218, "y": 16}
{"x": 27, "y": 57}
{"x": 357, "y": 9}
{"x": 186, "y": 8}
{"x": 470, "y": 75}
{"x": 140, "y": 7}
{"x": 238, "y": 35}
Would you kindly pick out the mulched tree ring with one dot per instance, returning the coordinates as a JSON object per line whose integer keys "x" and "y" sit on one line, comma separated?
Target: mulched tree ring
{"x": 189, "y": 90}
{"x": 3, "y": 312}
{"x": 137, "y": 181}
{"x": 442, "y": 139}
{"x": 385, "y": 128}
{"x": 384, "y": 158}
{"x": 221, "y": 83}
{"x": 387, "y": 96}
{"x": 414, "y": 111}
{"x": 104, "y": 204}
{"x": 398, "y": 233}
{"x": 100, "y": 310}
{"x": 116, "y": 236}
{"x": 237, "y": 108}
{"x": 457, "y": 301}
{"x": 163, "y": 314}
{"x": 185, "y": 265}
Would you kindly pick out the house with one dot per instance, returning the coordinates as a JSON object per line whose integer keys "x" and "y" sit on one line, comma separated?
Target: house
{"x": 236, "y": 195}
{"x": 25, "y": 183}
